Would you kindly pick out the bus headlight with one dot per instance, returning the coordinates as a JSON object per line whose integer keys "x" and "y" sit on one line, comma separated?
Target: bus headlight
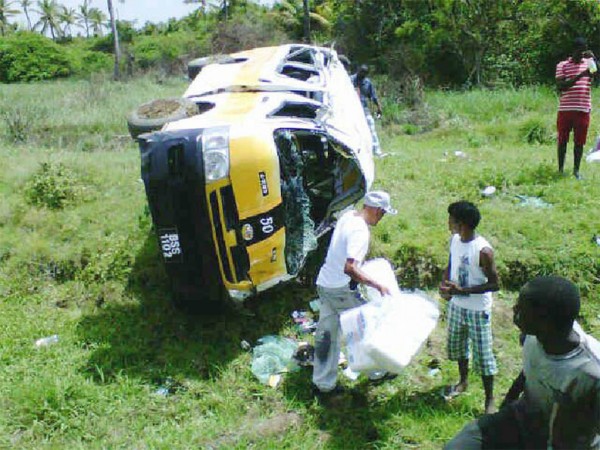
{"x": 215, "y": 152}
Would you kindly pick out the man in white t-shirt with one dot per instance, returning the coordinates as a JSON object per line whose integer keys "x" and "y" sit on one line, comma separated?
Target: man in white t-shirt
{"x": 468, "y": 283}
{"x": 337, "y": 283}
{"x": 554, "y": 403}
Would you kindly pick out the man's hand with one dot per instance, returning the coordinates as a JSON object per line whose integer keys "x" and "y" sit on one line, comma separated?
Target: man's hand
{"x": 382, "y": 290}
{"x": 449, "y": 288}
{"x": 444, "y": 290}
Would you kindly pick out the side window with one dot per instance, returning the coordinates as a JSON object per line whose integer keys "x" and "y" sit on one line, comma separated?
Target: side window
{"x": 294, "y": 109}
{"x": 299, "y": 72}
{"x": 301, "y": 54}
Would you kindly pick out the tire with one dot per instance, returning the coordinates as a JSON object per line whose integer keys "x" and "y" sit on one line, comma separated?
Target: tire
{"x": 153, "y": 115}
{"x": 196, "y": 65}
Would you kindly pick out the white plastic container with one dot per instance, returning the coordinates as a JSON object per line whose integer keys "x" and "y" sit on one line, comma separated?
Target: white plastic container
{"x": 45, "y": 341}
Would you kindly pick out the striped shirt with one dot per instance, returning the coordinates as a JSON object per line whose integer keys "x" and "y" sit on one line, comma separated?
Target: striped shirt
{"x": 578, "y": 97}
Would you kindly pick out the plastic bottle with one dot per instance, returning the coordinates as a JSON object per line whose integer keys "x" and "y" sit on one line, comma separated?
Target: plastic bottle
{"x": 45, "y": 341}
{"x": 592, "y": 65}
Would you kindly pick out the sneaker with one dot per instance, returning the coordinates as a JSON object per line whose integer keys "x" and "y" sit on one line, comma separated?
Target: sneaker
{"x": 577, "y": 176}
{"x": 380, "y": 377}
{"x": 322, "y": 396}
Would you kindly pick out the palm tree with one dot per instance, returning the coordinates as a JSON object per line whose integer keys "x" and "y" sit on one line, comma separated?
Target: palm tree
{"x": 115, "y": 33}
{"x": 83, "y": 16}
{"x": 306, "y": 21}
{"x": 5, "y": 13}
{"x": 97, "y": 20}
{"x": 48, "y": 11}
{"x": 25, "y": 4}
{"x": 68, "y": 17}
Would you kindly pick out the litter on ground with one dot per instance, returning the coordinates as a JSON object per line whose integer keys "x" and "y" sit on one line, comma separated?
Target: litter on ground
{"x": 273, "y": 356}
{"x": 532, "y": 202}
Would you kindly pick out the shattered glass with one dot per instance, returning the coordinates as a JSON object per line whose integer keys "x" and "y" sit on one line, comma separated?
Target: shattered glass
{"x": 300, "y": 238}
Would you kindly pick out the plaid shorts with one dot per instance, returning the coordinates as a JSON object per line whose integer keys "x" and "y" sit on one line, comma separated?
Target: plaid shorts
{"x": 465, "y": 325}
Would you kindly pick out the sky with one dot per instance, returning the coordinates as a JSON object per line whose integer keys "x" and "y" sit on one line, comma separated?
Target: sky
{"x": 137, "y": 11}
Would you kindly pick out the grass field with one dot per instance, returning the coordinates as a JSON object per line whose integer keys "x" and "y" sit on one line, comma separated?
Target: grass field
{"x": 78, "y": 260}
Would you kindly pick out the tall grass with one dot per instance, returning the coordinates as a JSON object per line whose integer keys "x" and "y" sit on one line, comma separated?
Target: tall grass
{"x": 89, "y": 271}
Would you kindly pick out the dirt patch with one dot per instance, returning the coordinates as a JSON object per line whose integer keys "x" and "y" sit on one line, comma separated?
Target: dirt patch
{"x": 257, "y": 430}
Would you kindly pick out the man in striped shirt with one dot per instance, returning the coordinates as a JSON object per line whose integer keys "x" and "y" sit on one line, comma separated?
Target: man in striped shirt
{"x": 574, "y": 80}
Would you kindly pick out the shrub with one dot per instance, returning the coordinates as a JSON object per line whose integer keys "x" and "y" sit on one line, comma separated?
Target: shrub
{"x": 245, "y": 32}
{"x": 536, "y": 132}
{"x": 17, "y": 122}
{"x": 163, "y": 51}
{"x": 52, "y": 186}
{"x": 86, "y": 62}
{"x": 28, "y": 56}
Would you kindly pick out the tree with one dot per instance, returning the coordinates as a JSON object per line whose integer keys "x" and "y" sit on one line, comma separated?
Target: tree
{"x": 68, "y": 17}
{"x": 25, "y": 4}
{"x": 115, "y": 33}
{"x": 97, "y": 20}
{"x": 5, "y": 13}
{"x": 306, "y": 21}
{"x": 48, "y": 21}
{"x": 83, "y": 16}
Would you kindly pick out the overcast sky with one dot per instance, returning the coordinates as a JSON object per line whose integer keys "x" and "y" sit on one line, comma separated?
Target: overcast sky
{"x": 138, "y": 11}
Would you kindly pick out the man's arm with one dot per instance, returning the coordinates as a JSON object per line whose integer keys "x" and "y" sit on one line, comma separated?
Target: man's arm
{"x": 563, "y": 83}
{"x": 373, "y": 97}
{"x": 515, "y": 390}
{"x": 352, "y": 269}
{"x": 488, "y": 266}
{"x": 443, "y": 289}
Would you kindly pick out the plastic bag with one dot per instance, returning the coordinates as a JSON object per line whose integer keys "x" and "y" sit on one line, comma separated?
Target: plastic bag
{"x": 273, "y": 355}
{"x": 387, "y": 332}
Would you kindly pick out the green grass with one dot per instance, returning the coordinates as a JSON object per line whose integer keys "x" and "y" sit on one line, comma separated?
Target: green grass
{"x": 89, "y": 271}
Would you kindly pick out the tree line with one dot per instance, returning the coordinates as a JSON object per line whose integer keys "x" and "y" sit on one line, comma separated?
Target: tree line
{"x": 454, "y": 43}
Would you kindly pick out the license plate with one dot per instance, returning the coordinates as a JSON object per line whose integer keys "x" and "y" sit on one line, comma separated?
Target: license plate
{"x": 169, "y": 244}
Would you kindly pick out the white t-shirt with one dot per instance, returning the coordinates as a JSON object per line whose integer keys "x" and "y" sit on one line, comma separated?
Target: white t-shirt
{"x": 571, "y": 384}
{"x": 350, "y": 240}
{"x": 466, "y": 272}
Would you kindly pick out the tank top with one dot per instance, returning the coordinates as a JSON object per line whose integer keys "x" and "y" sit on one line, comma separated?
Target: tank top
{"x": 466, "y": 272}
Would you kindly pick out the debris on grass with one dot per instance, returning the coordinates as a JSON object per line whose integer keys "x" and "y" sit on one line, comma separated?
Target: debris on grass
{"x": 488, "y": 191}
{"x": 273, "y": 356}
{"x": 433, "y": 372}
{"x": 304, "y": 322}
{"x": 593, "y": 157}
{"x": 46, "y": 341}
{"x": 532, "y": 202}
{"x": 315, "y": 305}
{"x": 304, "y": 354}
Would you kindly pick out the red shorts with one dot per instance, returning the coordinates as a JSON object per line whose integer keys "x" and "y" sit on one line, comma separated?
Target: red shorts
{"x": 578, "y": 121}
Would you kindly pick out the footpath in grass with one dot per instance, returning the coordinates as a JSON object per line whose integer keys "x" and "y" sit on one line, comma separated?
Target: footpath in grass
{"x": 78, "y": 259}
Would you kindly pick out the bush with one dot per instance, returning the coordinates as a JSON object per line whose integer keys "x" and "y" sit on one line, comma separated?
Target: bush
{"x": 163, "y": 51}
{"x": 28, "y": 56}
{"x": 245, "y": 32}
{"x": 86, "y": 62}
{"x": 52, "y": 186}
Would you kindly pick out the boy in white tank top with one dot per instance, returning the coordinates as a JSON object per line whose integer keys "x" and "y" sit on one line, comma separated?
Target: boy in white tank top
{"x": 468, "y": 283}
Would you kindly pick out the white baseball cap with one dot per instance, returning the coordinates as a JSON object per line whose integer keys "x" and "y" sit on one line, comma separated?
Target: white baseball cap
{"x": 379, "y": 199}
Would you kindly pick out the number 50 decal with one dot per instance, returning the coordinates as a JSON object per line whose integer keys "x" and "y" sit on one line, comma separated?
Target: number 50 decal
{"x": 267, "y": 225}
